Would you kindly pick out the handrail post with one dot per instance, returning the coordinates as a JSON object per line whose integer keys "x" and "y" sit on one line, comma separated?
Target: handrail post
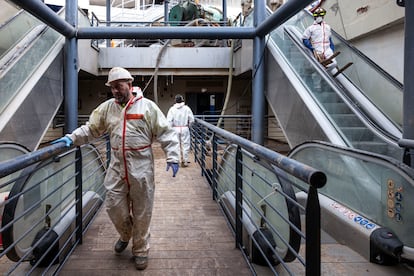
{"x": 78, "y": 192}
{"x": 203, "y": 150}
{"x": 313, "y": 233}
{"x": 195, "y": 141}
{"x": 214, "y": 180}
{"x": 239, "y": 198}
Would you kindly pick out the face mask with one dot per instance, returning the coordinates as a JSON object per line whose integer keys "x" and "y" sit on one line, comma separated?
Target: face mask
{"x": 318, "y": 19}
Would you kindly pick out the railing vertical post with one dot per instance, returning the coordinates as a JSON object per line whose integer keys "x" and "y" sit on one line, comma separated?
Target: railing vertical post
{"x": 196, "y": 138}
{"x": 78, "y": 192}
{"x": 239, "y": 198}
{"x": 191, "y": 138}
{"x": 166, "y": 2}
{"x": 214, "y": 180}
{"x": 313, "y": 233}
{"x": 71, "y": 70}
{"x": 203, "y": 149}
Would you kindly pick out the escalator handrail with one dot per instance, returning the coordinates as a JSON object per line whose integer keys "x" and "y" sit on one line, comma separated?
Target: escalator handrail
{"x": 356, "y": 153}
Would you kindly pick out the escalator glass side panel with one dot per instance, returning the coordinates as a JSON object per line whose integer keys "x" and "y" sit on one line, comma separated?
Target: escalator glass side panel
{"x": 51, "y": 184}
{"x": 14, "y": 30}
{"x": 310, "y": 78}
{"x": 258, "y": 189}
{"x": 26, "y": 66}
{"x": 380, "y": 90}
{"x": 370, "y": 185}
{"x": 29, "y": 130}
{"x": 9, "y": 151}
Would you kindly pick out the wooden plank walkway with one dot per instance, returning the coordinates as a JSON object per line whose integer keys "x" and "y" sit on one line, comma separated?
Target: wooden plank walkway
{"x": 189, "y": 234}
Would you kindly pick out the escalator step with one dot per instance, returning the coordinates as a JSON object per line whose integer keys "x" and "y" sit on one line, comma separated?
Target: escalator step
{"x": 337, "y": 108}
{"x": 358, "y": 133}
{"x": 347, "y": 120}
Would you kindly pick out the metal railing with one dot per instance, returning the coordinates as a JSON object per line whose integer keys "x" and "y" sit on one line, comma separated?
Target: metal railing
{"x": 256, "y": 188}
{"x": 241, "y": 125}
{"x": 49, "y": 198}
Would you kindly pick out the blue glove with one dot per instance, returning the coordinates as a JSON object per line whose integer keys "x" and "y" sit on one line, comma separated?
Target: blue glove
{"x": 64, "y": 139}
{"x": 308, "y": 44}
{"x": 331, "y": 44}
{"x": 174, "y": 167}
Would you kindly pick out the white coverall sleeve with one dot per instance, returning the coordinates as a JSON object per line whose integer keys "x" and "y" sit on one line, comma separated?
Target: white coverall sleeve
{"x": 190, "y": 116}
{"x": 307, "y": 33}
{"x": 166, "y": 135}
{"x": 93, "y": 129}
{"x": 170, "y": 116}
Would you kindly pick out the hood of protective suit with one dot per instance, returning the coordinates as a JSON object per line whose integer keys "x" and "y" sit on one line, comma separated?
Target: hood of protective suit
{"x": 179, "y": 105}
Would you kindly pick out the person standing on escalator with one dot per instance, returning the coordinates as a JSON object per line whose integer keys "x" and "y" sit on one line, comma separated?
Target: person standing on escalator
{"x": 133, "y": 123}
{"x": 318, "y": 38}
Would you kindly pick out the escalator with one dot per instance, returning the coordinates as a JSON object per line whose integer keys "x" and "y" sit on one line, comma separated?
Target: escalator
{"x": 358, "y": 115}
{"x": 364, "y": 202}
{"x": 31, "y": 76}
{"x": 360, "y": 108}
{"x": 31, "y": 79}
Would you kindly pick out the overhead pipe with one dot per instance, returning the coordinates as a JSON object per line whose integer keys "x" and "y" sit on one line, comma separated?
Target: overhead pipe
{"x": 282, "y": 14}
{"x": 166, "y": 33}
{"x": 48, "y": 16}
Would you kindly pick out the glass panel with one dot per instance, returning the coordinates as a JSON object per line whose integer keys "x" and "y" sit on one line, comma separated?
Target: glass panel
{"x": 8, "y": 151}
{"x": 373, "y": 187}
{"x": 258, "y": 183}
{"x": 26, "y": 65}
{"x": 53, "y": 186}
{"x": 13, "y": 31}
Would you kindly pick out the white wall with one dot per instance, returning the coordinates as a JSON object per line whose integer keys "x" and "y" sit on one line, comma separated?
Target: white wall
{"x": 386, "y": 48}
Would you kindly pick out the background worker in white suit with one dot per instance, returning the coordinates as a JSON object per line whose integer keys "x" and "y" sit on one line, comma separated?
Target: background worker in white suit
{"x": 180, "y": 117}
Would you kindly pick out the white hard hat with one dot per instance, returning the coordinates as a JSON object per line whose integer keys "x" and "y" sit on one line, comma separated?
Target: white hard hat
{"x": 118, "y": 73}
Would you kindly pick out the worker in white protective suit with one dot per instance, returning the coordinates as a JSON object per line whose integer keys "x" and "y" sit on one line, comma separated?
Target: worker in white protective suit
{"x": 132, "y": 124}
{"x": 180, "y": 117}
{"x": 318, "y": 38}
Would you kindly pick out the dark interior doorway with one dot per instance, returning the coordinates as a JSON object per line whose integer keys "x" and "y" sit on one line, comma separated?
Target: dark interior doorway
{"x": 200, "y": 102}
